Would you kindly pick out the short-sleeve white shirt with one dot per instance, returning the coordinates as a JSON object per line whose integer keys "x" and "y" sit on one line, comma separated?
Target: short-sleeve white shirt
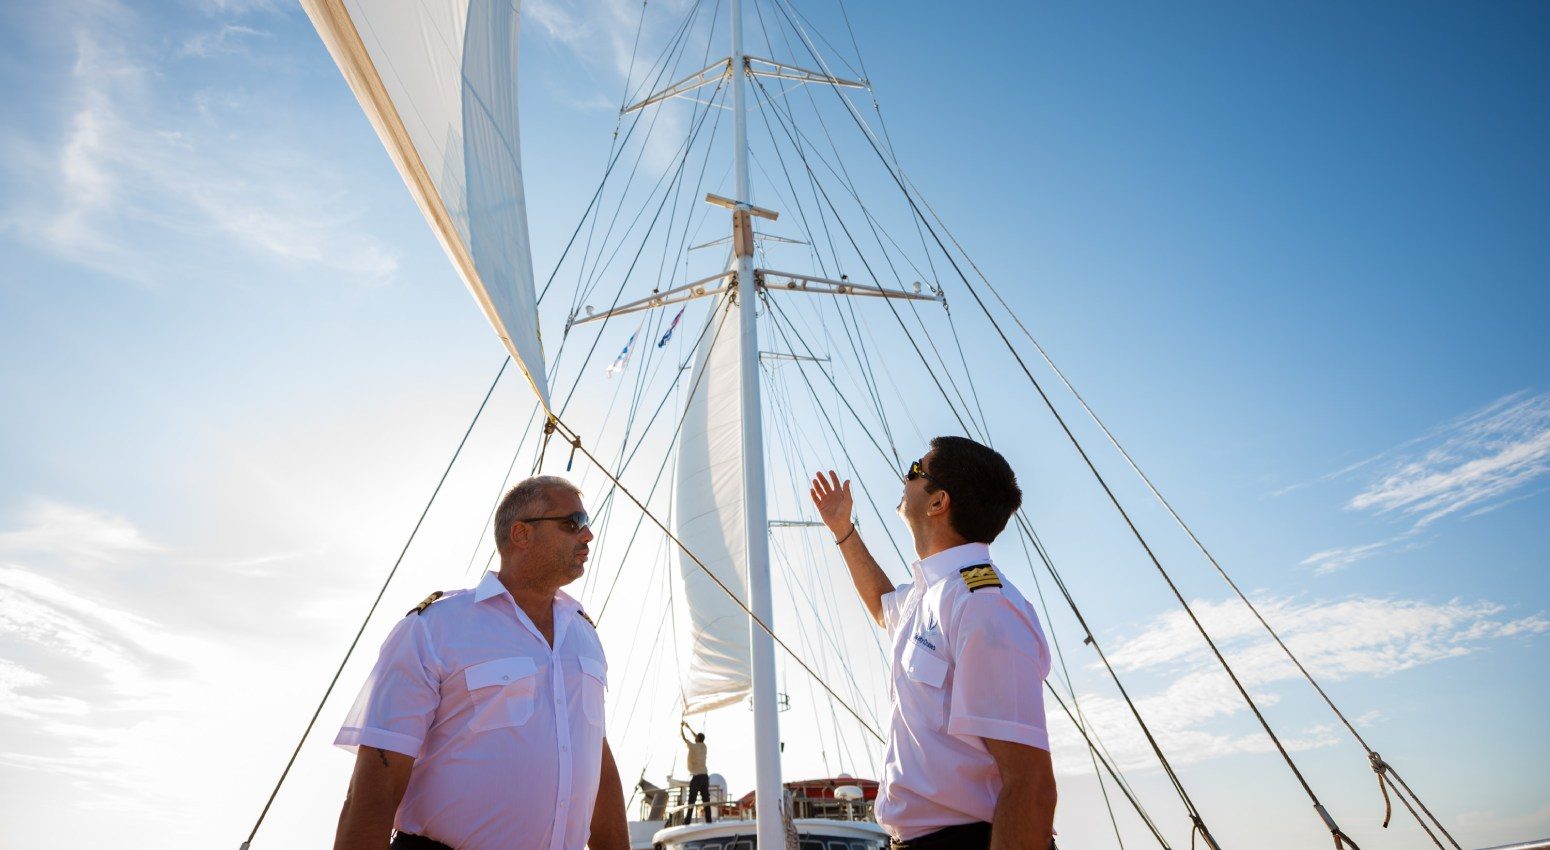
{"x": 506, "y": 732}
{"x": 966, "y": 665}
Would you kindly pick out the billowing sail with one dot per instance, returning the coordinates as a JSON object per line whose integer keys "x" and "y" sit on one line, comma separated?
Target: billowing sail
{"x": 438, "y": 79}
{"x": 709, "y": 520}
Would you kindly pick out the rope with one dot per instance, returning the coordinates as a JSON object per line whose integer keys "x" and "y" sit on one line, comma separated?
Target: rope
{"x": 756, "y": 619}
{"x": 374, "y": 603}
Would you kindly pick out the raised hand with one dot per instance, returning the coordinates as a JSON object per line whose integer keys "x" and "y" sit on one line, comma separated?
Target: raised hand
{"x": 834, "y": 502}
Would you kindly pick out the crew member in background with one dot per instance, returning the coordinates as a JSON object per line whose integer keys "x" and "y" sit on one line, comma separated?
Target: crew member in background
{"x": 481, "y": 726}
{"x": 699, "y": 778}
{"x": 968, "y": 764}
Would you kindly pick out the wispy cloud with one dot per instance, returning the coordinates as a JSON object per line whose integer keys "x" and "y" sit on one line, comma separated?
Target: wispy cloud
{"x": 1472, "y": 465}
{"x": 1363, "y": 637}
{"x": 148, "y": 182}
{"x": 76, "y": 535}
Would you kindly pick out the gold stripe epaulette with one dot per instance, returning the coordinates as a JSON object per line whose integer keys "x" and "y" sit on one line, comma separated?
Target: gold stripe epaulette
{"x": 585, "y": 617}
{"x": 426, "y": 603}
{"x": 979, "y": 576}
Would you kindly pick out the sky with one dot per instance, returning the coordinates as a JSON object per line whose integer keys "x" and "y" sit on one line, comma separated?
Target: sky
{"x": 1295, "y": 256}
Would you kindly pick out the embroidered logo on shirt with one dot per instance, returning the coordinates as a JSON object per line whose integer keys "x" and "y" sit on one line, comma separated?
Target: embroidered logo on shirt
{"x": 931, "y": 626}
{"x": 980, "y": 576}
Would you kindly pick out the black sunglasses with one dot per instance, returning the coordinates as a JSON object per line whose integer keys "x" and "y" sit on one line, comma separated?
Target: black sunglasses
{"x": 572, "y": 523}
{"x": 919, "y": 471}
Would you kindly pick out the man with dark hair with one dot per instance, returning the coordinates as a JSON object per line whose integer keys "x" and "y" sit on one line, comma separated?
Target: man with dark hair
{"x": 699, "y": 777}
{"x": 968, "y": 762}
{"x": 481, "y": 726}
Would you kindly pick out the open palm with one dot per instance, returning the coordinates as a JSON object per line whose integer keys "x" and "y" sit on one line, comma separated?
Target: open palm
{"x": 833, "y": 500}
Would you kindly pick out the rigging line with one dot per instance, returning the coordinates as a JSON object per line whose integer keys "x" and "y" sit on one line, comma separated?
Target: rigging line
{"x": 570, "y": 394}
{"x": 894, "y": 310}
{"x": 1190, "y": 532}
{"x": 375, "y": 602}
{"x": 680, "y": 41}
{"x": 672, "y": 440}
{"x": 1060, "y": 654}
{"x": 777, "y": 312}
{"x": 802, "y": 370}
{"x": 763, "y": 626}
{"x": 786, "y": 434}
{"x": 1135, "y": 803}
{"x": 1065, "y": 671}
{"x": 1049, "y": 565}
{"x": 681, "y": 156}
{"x": 963, "y": 360}
{"x": 1339, "y": 837}
{"x": 1092, "y": 641}
{"x": 841, "y": 743}
{"x": 495, "y": 503}
{"x": 617, "y": 150}
{"x": 629, "y": 72}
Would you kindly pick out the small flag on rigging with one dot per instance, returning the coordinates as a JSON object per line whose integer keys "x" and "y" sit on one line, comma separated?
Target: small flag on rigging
{"x": 623, "y": 358}
{"x": 670, "y": 328}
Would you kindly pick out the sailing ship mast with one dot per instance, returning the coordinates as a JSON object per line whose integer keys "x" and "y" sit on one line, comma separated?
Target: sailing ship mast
{"x": 766, "y": 716}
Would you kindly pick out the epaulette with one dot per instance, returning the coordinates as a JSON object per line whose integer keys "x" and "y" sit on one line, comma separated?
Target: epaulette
{"x": 980, "y": 575}
{"x": 585, "y": 617}
{"x": 426, "y": 603}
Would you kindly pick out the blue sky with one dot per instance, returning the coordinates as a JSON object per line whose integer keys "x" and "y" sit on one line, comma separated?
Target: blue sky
{"x": 1296, "y": 257}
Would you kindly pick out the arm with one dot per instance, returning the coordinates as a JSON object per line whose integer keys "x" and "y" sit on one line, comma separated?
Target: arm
{"x": 1025, "y": 811}
{"x": 835, "y": 505}
{"x": 609, "y": 828}
{"x": 376, "y": 788}
{"x": 683, "y": 731}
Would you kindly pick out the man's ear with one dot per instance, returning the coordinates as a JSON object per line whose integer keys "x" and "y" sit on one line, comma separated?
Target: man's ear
{"x": 941, "y": 501}
{"x": 518, "y": 535}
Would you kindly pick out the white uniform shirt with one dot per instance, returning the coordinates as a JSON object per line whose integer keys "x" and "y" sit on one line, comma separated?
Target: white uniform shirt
{"x": 967, "y": 665}
{"x": 506, "y": 733}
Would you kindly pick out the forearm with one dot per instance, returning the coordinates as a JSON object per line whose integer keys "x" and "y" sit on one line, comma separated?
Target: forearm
{"x": 376, "y": 787}
{"x": 365, "y": 822}
{"x": 609, "y": 828}
{"x": 1025, "y": 815}
{"x": 870, "y": 580}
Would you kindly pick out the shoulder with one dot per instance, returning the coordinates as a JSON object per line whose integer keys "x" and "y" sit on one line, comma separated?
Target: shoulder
{"x": 439, "y": 604}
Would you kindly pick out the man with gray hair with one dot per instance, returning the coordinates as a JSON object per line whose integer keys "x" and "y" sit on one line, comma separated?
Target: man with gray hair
{"x": 481, "y": 725}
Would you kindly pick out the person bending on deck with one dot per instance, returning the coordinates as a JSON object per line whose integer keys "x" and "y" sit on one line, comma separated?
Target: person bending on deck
{"x": 968, "y": 762}
{"x": 481, "y": 726}
{"x": 699, "y": 779}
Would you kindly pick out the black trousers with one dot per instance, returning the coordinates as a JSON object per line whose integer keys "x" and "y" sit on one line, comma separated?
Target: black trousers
{"x": 699, "y": 784}
{"x": 409, "y": 841}
{"x": 962, "y": 836}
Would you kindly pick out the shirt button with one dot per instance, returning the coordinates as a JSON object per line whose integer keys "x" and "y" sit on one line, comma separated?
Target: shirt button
{"x": 505, "y": 678}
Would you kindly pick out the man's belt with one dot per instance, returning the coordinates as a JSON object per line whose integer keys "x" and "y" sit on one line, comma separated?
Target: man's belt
{"x": 410, "y": 841}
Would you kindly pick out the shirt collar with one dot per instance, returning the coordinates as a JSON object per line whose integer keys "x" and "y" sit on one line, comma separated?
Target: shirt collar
{"x": 949, "y": 561}
{"x": 491, "y": 586}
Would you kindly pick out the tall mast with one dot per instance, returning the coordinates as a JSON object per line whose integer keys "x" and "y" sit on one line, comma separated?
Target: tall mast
{"x": 766, "y": 718}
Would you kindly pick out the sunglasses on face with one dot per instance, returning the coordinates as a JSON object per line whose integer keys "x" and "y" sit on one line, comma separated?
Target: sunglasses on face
{"x": 572, "y": 523}
{"x": 919, "y": 471}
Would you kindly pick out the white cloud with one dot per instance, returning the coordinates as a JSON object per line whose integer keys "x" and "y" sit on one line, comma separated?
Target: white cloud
{"x": 148, "y": 183}
{"x": 1471, "y": 462}
{"x": 227, "y": 38}
{"x": 1363, "y": 637}
{"x": 77, "y": 535}
{"x": 1477, "y": 463}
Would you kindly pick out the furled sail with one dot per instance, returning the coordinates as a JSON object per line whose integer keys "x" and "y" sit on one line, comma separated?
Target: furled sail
{"x": 438, "y": 79}
{"x": 709, "y": 520}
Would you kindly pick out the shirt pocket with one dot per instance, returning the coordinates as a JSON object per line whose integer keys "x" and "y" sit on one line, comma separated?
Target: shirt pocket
{"x": 594, "y": 681}
{"x": 926, "y": 700}
{"x": 504, "y": 692}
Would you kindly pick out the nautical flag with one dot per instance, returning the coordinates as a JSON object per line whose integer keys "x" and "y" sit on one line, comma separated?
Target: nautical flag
{"x": 670, "y": 328}
{"x": 622, "y": 359}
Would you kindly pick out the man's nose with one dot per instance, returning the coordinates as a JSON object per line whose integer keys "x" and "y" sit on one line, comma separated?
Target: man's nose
{"x": 587, "y": 535}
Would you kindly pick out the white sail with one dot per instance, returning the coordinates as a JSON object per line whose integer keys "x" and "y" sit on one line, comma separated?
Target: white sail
{"x": 438, "y": 79}
{"x": 709, "y": 520}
